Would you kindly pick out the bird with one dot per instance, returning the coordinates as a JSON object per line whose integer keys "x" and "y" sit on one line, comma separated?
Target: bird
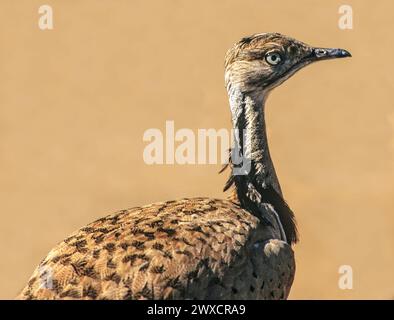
{"x": 239, "y": 247}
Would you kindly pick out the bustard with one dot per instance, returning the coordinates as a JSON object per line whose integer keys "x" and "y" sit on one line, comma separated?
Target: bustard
{"x": 199, "y": 248}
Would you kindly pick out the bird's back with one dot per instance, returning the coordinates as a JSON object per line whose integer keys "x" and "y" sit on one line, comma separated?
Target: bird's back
{"x": 196, "y": 248}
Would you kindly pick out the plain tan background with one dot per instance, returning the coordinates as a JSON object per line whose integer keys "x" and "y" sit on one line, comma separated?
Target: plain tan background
{"x": 75, "y": 102}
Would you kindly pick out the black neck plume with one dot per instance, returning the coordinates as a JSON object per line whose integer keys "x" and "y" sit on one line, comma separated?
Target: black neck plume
{"x": 257, "y": 182}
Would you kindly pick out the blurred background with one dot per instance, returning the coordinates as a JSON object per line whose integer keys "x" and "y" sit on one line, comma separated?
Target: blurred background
{"x": 76, "y": 100}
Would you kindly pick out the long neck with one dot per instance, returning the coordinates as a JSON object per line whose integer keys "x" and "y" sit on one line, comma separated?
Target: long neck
{"x": 253, "y": 173}
{"x": 251, "y": 141}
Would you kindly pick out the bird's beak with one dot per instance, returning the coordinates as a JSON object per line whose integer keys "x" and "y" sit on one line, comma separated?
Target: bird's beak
{"x": 328, "y": 53}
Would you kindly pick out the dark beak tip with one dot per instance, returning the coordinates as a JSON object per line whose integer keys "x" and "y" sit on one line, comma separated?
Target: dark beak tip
{"x": 345, "y": 53}
{"x": 330, "y": 53}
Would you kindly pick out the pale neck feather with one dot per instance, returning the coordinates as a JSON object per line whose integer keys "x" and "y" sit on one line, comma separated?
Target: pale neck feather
{"x": 248, "y": 116}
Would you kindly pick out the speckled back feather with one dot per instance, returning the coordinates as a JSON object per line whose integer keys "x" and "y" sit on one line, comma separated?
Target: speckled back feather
{"x": 188, "y": 249}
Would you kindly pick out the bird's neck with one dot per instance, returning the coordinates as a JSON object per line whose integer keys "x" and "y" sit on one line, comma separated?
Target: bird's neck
{"x": 251, "y": 143}
{"x": 253, "y": 174}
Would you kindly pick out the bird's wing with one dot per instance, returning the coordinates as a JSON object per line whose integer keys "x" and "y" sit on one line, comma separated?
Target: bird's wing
{"x": 192, "y": 248}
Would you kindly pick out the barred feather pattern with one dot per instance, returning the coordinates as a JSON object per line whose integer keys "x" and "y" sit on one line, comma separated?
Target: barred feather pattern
{"x": 195, "y": 248}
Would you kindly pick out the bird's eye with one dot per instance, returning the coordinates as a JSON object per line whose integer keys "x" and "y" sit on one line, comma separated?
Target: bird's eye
{"x": 273, "y": 58}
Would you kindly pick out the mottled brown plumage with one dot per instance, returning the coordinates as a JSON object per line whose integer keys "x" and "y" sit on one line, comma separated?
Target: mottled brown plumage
{"x": 188, "y": 249}
{"x": 198, "y": 248}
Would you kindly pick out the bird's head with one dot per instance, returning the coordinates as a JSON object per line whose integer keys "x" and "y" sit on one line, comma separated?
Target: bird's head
{"x": 261, "y": 62}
